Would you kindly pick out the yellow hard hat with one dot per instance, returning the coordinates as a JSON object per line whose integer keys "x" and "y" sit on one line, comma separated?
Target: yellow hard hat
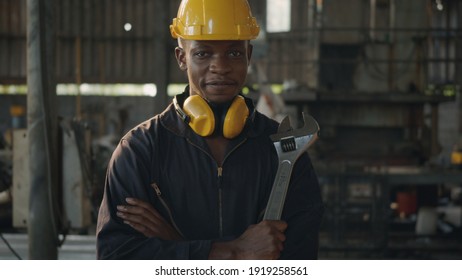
{"x": 214, "y": 20}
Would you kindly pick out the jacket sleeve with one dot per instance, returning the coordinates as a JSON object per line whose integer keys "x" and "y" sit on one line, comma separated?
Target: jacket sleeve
{"x": 129, "y": 175}
{"x": 303, "y": 212}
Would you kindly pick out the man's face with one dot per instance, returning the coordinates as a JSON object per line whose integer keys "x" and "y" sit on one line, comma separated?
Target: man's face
{"x": 216, "y": 69}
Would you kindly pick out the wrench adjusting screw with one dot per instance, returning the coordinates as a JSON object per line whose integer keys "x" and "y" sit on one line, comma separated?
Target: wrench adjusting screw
{"x": 288, "y": 144}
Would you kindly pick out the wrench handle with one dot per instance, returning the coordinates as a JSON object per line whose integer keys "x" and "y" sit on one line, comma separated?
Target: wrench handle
{"x": 278, "y": 192}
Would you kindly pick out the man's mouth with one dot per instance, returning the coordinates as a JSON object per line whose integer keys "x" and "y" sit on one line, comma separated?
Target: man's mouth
{"x": 221, "y": 83}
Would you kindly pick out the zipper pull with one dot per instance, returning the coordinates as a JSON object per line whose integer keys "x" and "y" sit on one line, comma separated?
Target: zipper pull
{"x": 220, "y": 171}
{"x": 156, "y": 188}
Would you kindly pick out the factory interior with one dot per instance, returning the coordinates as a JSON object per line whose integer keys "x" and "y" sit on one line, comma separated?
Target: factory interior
{"x": 382, "y": 78}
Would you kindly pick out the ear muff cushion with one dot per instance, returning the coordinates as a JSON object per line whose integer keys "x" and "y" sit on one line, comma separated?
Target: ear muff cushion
{"x": 202, "y": 120}
{"x": 235, "y": 118}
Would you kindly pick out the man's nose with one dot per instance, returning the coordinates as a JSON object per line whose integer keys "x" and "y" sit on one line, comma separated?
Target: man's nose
{"x": 220, "y": 64}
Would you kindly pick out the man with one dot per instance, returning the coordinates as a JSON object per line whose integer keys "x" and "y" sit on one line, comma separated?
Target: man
{"x": 194, "y": 181}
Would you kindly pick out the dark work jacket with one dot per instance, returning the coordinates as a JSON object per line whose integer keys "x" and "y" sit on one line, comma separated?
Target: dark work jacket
{"x": 205, "y": 201}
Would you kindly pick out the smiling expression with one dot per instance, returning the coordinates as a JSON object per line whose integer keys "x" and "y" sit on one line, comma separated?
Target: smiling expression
{"x": 216, "y": 70}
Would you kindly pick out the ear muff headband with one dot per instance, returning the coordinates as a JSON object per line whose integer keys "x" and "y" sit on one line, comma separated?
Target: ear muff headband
{"x": 200, "y": 117}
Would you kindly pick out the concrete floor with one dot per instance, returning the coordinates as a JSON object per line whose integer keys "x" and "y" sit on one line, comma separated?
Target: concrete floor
{"x": 76, "y": 247}
{"x": 83, "y": 247}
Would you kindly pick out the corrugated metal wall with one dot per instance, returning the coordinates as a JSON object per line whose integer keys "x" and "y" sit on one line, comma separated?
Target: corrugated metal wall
{"x": 92, "y": 30}
{"x": 12, "y": 41}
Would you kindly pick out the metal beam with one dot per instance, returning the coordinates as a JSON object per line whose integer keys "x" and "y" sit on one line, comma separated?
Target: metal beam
{"x": 161, "y": 50}
{"x": 458, "y": 74}
{"x": 42, "y": 130}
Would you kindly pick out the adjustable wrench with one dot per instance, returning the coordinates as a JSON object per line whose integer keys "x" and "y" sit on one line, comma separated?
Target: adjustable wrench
{"x": 290, "y": 144}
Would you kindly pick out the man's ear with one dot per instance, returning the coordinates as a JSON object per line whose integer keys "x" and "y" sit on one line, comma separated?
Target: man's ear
{"x": 249, "y": 52}
{"x": 181, "y": 58}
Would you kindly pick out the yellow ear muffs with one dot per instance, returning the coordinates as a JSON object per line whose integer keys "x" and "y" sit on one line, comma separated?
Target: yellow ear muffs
{"x": 201, "y": 118}
{"x": 235, "y": 118}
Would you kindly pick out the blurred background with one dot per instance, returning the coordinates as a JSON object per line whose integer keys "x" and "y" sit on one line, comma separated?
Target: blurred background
{"x": 382, "y": 77}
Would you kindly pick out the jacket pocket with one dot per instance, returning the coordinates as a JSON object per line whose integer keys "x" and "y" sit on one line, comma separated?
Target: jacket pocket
{"x": 167, "y": 208}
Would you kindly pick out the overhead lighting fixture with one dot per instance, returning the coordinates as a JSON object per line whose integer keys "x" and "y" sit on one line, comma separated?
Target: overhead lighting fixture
{"x": 439, "y": 5}
{"x": 127, "y": 26}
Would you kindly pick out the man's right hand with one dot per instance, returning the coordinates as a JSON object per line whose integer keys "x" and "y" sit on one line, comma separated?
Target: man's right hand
{"x": 145, "y": 219}
{"x": 262, "y": 241}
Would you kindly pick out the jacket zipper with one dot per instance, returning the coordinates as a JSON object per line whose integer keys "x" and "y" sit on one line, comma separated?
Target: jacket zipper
{"x": 219, "y": 182}
{"x": 169, "y": 212}
{"x": 220, "y": 200}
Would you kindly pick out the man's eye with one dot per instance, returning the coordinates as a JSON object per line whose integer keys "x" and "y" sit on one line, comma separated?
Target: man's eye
{"x": 235, "y": 53}
{"x": 200, "y": 54}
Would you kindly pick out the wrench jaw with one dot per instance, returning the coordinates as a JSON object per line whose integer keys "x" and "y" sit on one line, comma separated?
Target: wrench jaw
{"x": 285, "y": 130}
{"x": 290, "y": 144}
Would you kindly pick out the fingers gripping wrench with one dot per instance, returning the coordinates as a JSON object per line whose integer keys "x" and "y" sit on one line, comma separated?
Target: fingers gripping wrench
{"x": 290, "y": 145}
